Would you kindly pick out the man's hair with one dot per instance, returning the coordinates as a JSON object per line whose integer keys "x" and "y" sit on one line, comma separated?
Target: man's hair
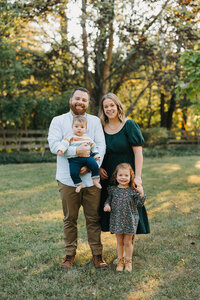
{"x": 80, "y": 119}
{"x": 82, "y": 89}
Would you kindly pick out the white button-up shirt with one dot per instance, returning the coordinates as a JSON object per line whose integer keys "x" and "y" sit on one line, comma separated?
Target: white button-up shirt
{"x": 60, "y": 127}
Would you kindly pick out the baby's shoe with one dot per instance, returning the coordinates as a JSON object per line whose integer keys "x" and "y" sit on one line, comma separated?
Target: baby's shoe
{"x": 120, "y": 264}
{"x": 128, "y": 264}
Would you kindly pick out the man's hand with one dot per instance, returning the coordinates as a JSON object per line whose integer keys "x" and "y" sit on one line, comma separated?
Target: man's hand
{"x": 84, "y": 170}
{"x": 107, "y": 208}
{"x": 83, "y": 150}
{"x": 103, "y": 174}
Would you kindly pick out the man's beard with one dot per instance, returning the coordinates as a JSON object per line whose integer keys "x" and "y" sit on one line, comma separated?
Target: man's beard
{"x": 77, "y": 111}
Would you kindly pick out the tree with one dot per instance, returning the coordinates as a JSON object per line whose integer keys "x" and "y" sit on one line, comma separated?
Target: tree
{"x": 12, "y": 69}
{"x": 112, "y": 66}
{"x": 131, "y": 48}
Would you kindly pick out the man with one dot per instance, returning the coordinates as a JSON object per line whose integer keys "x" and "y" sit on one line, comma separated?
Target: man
{"x": 89, "y": 196}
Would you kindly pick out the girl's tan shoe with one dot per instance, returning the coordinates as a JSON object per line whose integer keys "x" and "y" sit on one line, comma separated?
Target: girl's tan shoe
{"x": 120, "y": 264}
{"x": 128, "y": 264}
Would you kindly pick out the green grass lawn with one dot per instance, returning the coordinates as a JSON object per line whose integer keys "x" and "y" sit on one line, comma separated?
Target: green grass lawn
{"x": 165, "y": 263}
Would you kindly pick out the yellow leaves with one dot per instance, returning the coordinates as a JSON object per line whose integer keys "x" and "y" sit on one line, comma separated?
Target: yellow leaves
{"x": 149, "y": 212}
{"x": 32, "y": 79}
{"x": 163, "y": 68}
{"x": 196, "y": 47}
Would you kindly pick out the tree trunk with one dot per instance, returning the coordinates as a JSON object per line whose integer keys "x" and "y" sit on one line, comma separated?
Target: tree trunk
{"x": 170, "y": 111}
{"x": 162, "y": 111}
{"x": 107, "y": 65}
{"x": 149, "y": 109}
{"x": 85, "y": 46}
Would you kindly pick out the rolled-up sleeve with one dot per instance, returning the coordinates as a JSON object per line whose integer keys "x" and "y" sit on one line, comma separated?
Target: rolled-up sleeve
{"x": 99, "y": 140}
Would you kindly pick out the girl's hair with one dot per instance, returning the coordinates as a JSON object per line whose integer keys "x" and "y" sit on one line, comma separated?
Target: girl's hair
{"x": 80, "y": 119}
{"x": 120, "y": 109}
{"x": 123, "y": 166}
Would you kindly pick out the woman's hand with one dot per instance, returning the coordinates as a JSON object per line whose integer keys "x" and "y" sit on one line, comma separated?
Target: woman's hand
{"x": 138, "y": 181}
{"x": 140, "y": 190}
{"x": 103, "y": 174}
{"x": 107, "y": 208}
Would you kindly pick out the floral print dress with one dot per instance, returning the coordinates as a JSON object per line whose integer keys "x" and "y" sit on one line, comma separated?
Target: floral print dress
{"x": 124, "y": 216}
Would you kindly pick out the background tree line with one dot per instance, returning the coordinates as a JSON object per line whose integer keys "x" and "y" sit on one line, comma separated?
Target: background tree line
{"x": 147, "y": 52}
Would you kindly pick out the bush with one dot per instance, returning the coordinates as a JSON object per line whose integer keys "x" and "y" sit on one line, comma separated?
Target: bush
{"x": 26, "y": 157}
{"x": 155, "y": 136}
{"x": 160, "y": 151}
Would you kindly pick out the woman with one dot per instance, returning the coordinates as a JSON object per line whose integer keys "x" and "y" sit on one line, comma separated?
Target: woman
{"x": 124, "y": 143}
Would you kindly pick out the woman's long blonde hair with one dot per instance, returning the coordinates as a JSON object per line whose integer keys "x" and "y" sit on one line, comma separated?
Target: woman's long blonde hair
{"x": 120, "y": 109}
{"x": 123, "y": 166}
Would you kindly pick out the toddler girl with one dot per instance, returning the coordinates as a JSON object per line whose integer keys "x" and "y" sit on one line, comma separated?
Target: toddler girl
{"x": 122, "y": 203}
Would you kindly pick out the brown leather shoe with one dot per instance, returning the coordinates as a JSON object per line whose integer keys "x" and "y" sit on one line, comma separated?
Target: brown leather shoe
{"x": 68, "y": 262}
{"x": 99, "y": 263}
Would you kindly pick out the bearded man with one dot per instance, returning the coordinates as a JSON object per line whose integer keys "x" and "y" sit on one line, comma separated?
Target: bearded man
{"x": 89, "y": 196}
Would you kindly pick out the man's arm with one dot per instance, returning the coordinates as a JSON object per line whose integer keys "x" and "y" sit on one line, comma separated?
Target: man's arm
{"x": 54, "y": 136}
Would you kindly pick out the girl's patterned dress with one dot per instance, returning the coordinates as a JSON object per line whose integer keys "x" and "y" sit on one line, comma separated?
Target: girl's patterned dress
{"x": 124, "y": 214}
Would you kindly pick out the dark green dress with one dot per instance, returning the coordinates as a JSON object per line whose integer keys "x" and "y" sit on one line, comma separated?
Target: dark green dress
{"x": 119, "y": 150}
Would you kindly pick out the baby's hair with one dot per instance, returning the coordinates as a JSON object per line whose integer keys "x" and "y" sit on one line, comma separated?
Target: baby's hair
{"x": 123, "y": 166}
{"x": 80, "y": 119}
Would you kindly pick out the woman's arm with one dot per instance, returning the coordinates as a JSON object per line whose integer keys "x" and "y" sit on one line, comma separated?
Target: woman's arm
{"x": 138, "y": 164}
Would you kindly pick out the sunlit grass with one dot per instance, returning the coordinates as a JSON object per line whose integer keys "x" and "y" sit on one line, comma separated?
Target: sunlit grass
{"x": 165, "y": 263}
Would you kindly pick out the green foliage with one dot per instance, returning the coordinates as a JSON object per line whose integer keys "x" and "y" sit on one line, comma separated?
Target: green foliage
{"x": 12, "y": 68}
{"x": 160, "y": 151}
{"x": 43, "y": 110}
{"x": 41, "y": 59}
{"x": 26, "y": 157}
{"x": 155, "y": 136}
{"x": 38, "y": 156}
{"x": 190, "y": 86}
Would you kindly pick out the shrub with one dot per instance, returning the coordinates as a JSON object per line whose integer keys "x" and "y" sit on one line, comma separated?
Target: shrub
{"x": 155, "y": 136}
{"x": 26, "y": 157}
{"x": 168, "y": 150}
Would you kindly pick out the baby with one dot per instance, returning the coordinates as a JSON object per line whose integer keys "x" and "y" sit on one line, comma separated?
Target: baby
{"x": 79, "y": 137}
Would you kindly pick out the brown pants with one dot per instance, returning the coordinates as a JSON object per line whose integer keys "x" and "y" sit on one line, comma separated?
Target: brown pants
{"x": 89, "y": 198}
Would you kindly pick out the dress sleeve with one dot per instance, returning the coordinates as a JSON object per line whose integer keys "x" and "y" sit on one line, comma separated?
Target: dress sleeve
{"x": 134, "y": 134}
{"x": 138, "y": 200}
